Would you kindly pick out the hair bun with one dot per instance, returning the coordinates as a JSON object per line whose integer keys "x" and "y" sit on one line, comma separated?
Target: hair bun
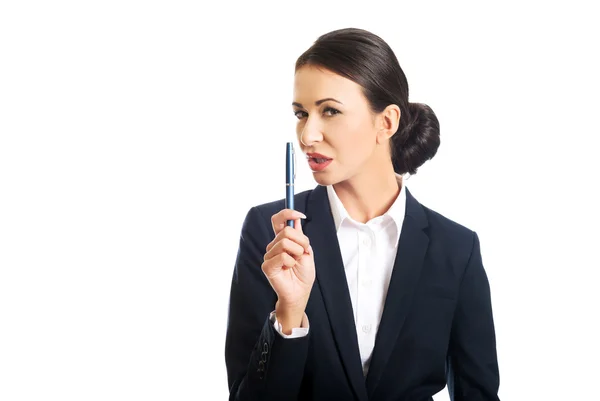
{"x": 417, "y": 140}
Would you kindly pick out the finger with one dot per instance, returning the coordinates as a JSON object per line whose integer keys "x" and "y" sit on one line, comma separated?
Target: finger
{"x": 272, "y": 266}
{"x": 270, "y": 245}
{"x": 293, "y": 234}
{"x": 288, "y": 246}
{"x": 279, "y": 219}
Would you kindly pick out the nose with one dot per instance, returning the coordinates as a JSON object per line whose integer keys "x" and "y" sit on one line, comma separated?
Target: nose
{"x": 311, "y": 133}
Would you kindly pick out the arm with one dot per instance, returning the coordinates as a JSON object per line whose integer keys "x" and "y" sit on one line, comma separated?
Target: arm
{"x": 472, "y": 362}
{"x": 261, "y": 364}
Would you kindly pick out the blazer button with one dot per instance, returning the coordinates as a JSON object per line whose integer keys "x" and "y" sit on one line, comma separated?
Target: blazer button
{"x": 265, "y": 348}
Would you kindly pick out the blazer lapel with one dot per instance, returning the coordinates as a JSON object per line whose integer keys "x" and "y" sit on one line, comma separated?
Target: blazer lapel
{"x": 331, "y": 280}
{"x": 412, "y": 247}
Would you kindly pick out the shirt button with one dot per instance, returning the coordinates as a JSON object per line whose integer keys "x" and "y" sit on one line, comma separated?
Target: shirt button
{"x": 366, "y": 328}
{"x": 367, "y": 283}
{"x": 366, "y": 242}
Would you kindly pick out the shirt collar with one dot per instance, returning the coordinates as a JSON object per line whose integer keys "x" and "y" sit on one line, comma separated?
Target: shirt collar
{"x": 396, "y": 211}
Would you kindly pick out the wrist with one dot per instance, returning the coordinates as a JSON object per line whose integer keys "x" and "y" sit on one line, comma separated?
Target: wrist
{"x": 289, "y": 316}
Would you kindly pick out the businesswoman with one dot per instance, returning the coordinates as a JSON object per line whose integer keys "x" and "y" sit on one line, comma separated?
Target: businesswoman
{"x": 371, "y": 295}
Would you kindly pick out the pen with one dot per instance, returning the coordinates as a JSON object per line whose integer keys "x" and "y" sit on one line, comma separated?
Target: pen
{"x": 290, "y": 174}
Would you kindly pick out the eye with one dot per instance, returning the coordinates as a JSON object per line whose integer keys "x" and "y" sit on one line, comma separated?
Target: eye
{"x": 330, "y": 111}
{"x": 300, "y": 114}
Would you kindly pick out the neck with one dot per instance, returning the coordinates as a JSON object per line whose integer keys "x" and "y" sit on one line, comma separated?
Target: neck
{"x": 368, "y": 195}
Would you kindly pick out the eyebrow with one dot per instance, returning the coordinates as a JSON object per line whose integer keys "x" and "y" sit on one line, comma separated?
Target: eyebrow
{"x": 318, "y": 102}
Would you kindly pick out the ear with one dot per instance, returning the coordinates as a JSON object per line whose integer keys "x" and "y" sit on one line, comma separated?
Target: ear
{"x": 388, "y": 121}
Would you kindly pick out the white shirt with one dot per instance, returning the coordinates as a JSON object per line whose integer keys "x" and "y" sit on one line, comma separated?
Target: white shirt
{"x": 368, "y": 253}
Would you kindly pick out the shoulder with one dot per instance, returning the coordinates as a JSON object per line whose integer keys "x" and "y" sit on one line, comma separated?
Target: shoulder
{"x": 443, "y": 225}
{"x": 448, "y": 235}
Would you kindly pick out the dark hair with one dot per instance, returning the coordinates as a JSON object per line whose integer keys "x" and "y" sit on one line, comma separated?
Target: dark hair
{"x": 366, "y": 59}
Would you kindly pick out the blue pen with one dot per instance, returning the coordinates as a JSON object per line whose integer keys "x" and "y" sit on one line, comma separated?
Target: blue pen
{"x": 290, "y": 175}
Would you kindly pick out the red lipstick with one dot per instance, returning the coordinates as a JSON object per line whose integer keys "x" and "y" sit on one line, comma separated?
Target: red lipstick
{"x": 318, "y": 162}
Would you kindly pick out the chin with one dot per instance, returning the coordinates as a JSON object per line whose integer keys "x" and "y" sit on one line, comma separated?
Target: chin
{"x": 323, "y": 179}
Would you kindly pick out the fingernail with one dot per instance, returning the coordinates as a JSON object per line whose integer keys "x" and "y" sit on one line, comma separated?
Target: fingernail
{"x": 302, "y": 216}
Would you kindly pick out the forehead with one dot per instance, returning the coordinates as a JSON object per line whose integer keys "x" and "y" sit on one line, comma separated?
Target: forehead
{"x": 313, "y": 83}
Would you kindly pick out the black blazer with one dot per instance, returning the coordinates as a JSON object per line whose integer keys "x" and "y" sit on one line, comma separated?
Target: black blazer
{"x": 437, "y": 326}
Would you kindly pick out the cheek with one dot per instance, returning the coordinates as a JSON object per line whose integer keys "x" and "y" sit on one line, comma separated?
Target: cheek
{"x": 357, "y": 133}
{"x": 353, "y": 141}
{"x": 356, "y": 129}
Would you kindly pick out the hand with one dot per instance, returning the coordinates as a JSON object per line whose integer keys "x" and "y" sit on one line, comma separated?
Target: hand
{"x": 290, "y": 267}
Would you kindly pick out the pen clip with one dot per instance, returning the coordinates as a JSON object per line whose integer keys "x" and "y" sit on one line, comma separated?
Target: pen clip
{"x": 294, "y": 163}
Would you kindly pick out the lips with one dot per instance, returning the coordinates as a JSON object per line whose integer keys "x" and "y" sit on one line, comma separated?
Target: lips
{"x": 318, "y": 157}
{"x": 317, "y": 161}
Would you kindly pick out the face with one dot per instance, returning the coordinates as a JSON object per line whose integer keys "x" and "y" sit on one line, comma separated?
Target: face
{"x": 336, "y": 128}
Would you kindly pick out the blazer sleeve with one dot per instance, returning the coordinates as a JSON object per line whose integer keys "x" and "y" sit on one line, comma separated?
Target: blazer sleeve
{"x": 473, "y": 373}
{"x": 261, "y": 364}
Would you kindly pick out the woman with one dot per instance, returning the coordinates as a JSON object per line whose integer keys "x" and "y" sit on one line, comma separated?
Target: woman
{"x": 371, "y": 295}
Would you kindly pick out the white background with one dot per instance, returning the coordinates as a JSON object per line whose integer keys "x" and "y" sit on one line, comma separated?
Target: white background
{"x": 136, "y": 135}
